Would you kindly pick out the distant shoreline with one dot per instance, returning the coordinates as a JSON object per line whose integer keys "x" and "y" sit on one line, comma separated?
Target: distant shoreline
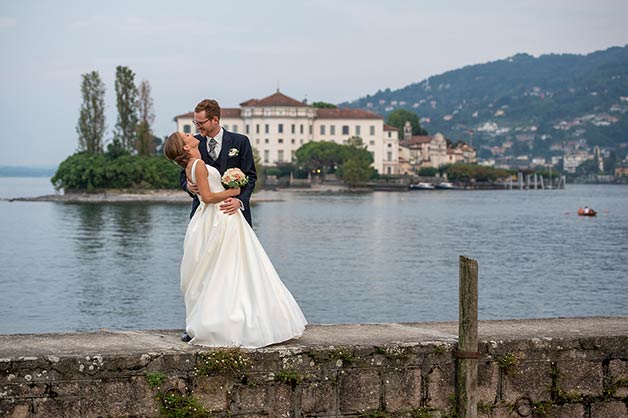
{"x": 158, "y": 196}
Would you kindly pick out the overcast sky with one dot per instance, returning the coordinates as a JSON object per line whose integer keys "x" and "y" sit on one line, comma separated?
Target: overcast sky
{"x": 328, "y": 50}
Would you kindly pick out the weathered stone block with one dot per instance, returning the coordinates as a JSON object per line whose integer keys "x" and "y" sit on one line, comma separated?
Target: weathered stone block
{"x": 211, "y": 392}
{"x": 402, "y": 389}
{"x": 13, "y": 409}
{"x": 182, "y": 363}
{"x": 249, "y": 399}
{"x": 499, "y": 412}
{"x": 580, "y": 378}
{"x": 530, "y": 379}
{"x": 618, "y": 370}
{"x": 118, "y": 398}
{"x": 359, "y": 390}
{"x": 318, "y": 397}
{"x": 63, "y": 389}
{"x": 58, "y": 408}
{"x": 281, "y": 401}
{"x": 488, "y": 381}
{"x": 609, "y": 409}
{"x": 566, "y": 411}
{"x": 440, "y": 386}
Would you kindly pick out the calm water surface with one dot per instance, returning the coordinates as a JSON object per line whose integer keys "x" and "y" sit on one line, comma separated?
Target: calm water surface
{"x": 377, "y": 257}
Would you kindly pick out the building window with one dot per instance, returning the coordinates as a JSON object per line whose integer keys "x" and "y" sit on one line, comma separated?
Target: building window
{"x": 246, "y": 128}
{"x": 280, "y": 140}
{"x": 357, "y": 130}
{"x": 345, "y": 129}
{"x": 301, "y": 128}
{"x": 389, "y": 155}
{"x": 235, "y": 128}
{"x": 322, "y": 129}
{"x": 332, "y": 130}
{"x": 301, "y": 142}
{"x": 371, "y": 142}
{"x": 293, "y": 128}
{"x": 225, "y": 127}
{"x": 280, "y": 128}
{"x": 388, "y": 170}
{"x": 280, "y": 155}
{"x": 372, "y": 130}
{"x": 292, "y": 141}
{"x": 266, "y": 141}
{"x": 187, "y": 129}
{"x": 257, "y": 140}
{"x": 310, "y": 129}
{"x": 266, "y": 128}
{"x": 266, "y": 156}
{"x": 389, "y": 134}
{"x": 257, "y": 128}
{"x": 389, "y": 145}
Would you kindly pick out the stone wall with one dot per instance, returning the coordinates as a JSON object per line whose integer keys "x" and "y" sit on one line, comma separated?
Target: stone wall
{"x": 381, "y": 374}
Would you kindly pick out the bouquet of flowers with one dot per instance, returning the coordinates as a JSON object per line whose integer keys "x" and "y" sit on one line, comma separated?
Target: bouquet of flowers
{"x": 234, "y": 178}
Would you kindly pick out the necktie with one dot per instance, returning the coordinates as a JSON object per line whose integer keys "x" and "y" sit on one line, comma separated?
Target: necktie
{"x": 211, "y": 148}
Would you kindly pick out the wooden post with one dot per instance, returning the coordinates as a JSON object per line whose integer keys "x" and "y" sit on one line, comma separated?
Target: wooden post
{"x": 467, "y": 354}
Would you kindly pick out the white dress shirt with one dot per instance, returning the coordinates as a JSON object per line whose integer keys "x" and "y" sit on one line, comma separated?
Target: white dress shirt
{"x": 218, "y": 139}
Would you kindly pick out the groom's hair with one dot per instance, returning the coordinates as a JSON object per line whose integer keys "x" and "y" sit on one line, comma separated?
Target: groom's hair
{"x": 210, "y": 106}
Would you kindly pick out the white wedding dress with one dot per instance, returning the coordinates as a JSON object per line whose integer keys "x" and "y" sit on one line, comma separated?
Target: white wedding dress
{"x": 233, "y": 294}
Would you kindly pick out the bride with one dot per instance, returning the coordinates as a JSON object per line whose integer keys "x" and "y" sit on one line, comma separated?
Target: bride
{"x": 233, "y": 294}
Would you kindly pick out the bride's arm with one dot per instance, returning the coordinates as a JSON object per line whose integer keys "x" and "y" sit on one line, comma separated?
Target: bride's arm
{"x": 206, "y": 195}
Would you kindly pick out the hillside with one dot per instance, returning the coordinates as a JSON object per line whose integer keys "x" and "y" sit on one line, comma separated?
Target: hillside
{"x": 542, "y": 105}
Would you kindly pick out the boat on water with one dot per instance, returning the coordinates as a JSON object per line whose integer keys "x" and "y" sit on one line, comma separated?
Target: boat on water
{"x": 445, "y": 185}
{"x": 422, "y": 186}
{"x": 586, "y": 212}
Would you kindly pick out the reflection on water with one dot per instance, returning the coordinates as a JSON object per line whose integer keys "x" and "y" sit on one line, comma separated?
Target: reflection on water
{"x": 378, "y": 257}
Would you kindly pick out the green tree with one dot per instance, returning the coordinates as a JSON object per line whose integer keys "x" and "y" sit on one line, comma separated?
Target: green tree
{"x": 127, "y": 105}
{"x": 356, "y": 167}
{"x": 320, "y": 156}
{"x": 399, "y": 117}
{"x": 145, "y": 142}
{"x": 428, "y": 171}
{"x": 91, "y": 123}
{"x": 356, "y": 171}
{"x": 324, "y": 105}
{"x": 588, "y": 167}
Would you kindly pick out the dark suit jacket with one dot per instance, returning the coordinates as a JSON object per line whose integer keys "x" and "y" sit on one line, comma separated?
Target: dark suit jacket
{"x": 243, "y": 161}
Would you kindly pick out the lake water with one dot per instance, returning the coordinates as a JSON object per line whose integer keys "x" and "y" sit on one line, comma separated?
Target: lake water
{"x": 352, "y": 258}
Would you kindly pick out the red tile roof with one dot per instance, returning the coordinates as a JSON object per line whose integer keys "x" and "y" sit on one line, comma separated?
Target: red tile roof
{"x": 276, "y": 99}
{"x": 416, "y": 140}
{"x": 346, "y": 114}
{"x": 390, "y": 128}
{"x": 230, "y": 113}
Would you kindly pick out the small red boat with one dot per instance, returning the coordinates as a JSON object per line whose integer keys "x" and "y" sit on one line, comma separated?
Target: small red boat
{"x": 586, "y": 212}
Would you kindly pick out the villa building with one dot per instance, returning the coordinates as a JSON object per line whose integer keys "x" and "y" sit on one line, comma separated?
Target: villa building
{"x": 278, "y": 125}
{"x": 418, "y": 151}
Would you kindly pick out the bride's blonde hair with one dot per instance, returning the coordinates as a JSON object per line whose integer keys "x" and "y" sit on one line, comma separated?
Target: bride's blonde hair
{"x": 174, "y": 151}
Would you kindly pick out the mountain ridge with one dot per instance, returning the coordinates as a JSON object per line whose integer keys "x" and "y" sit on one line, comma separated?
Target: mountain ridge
{"x": 540, "y": 104}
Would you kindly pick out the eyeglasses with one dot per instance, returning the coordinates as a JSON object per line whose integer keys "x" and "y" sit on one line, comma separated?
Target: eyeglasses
{"x": 197, "y": 123}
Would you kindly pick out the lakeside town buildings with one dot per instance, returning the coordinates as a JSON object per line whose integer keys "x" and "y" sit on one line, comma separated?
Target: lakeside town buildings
{"x": 278, "y": 125}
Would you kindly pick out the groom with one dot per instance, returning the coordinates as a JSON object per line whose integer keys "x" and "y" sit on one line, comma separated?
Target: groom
{"x": 222, "y": 149}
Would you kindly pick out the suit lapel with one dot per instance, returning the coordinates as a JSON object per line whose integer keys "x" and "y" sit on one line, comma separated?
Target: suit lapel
{"x": 224, "y": 150}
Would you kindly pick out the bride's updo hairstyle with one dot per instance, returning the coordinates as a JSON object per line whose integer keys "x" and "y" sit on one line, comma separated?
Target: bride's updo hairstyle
{"x": 173, "y": 149}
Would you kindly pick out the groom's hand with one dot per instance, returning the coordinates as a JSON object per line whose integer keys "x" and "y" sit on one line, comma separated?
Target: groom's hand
{"x": 230, "y": 206}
